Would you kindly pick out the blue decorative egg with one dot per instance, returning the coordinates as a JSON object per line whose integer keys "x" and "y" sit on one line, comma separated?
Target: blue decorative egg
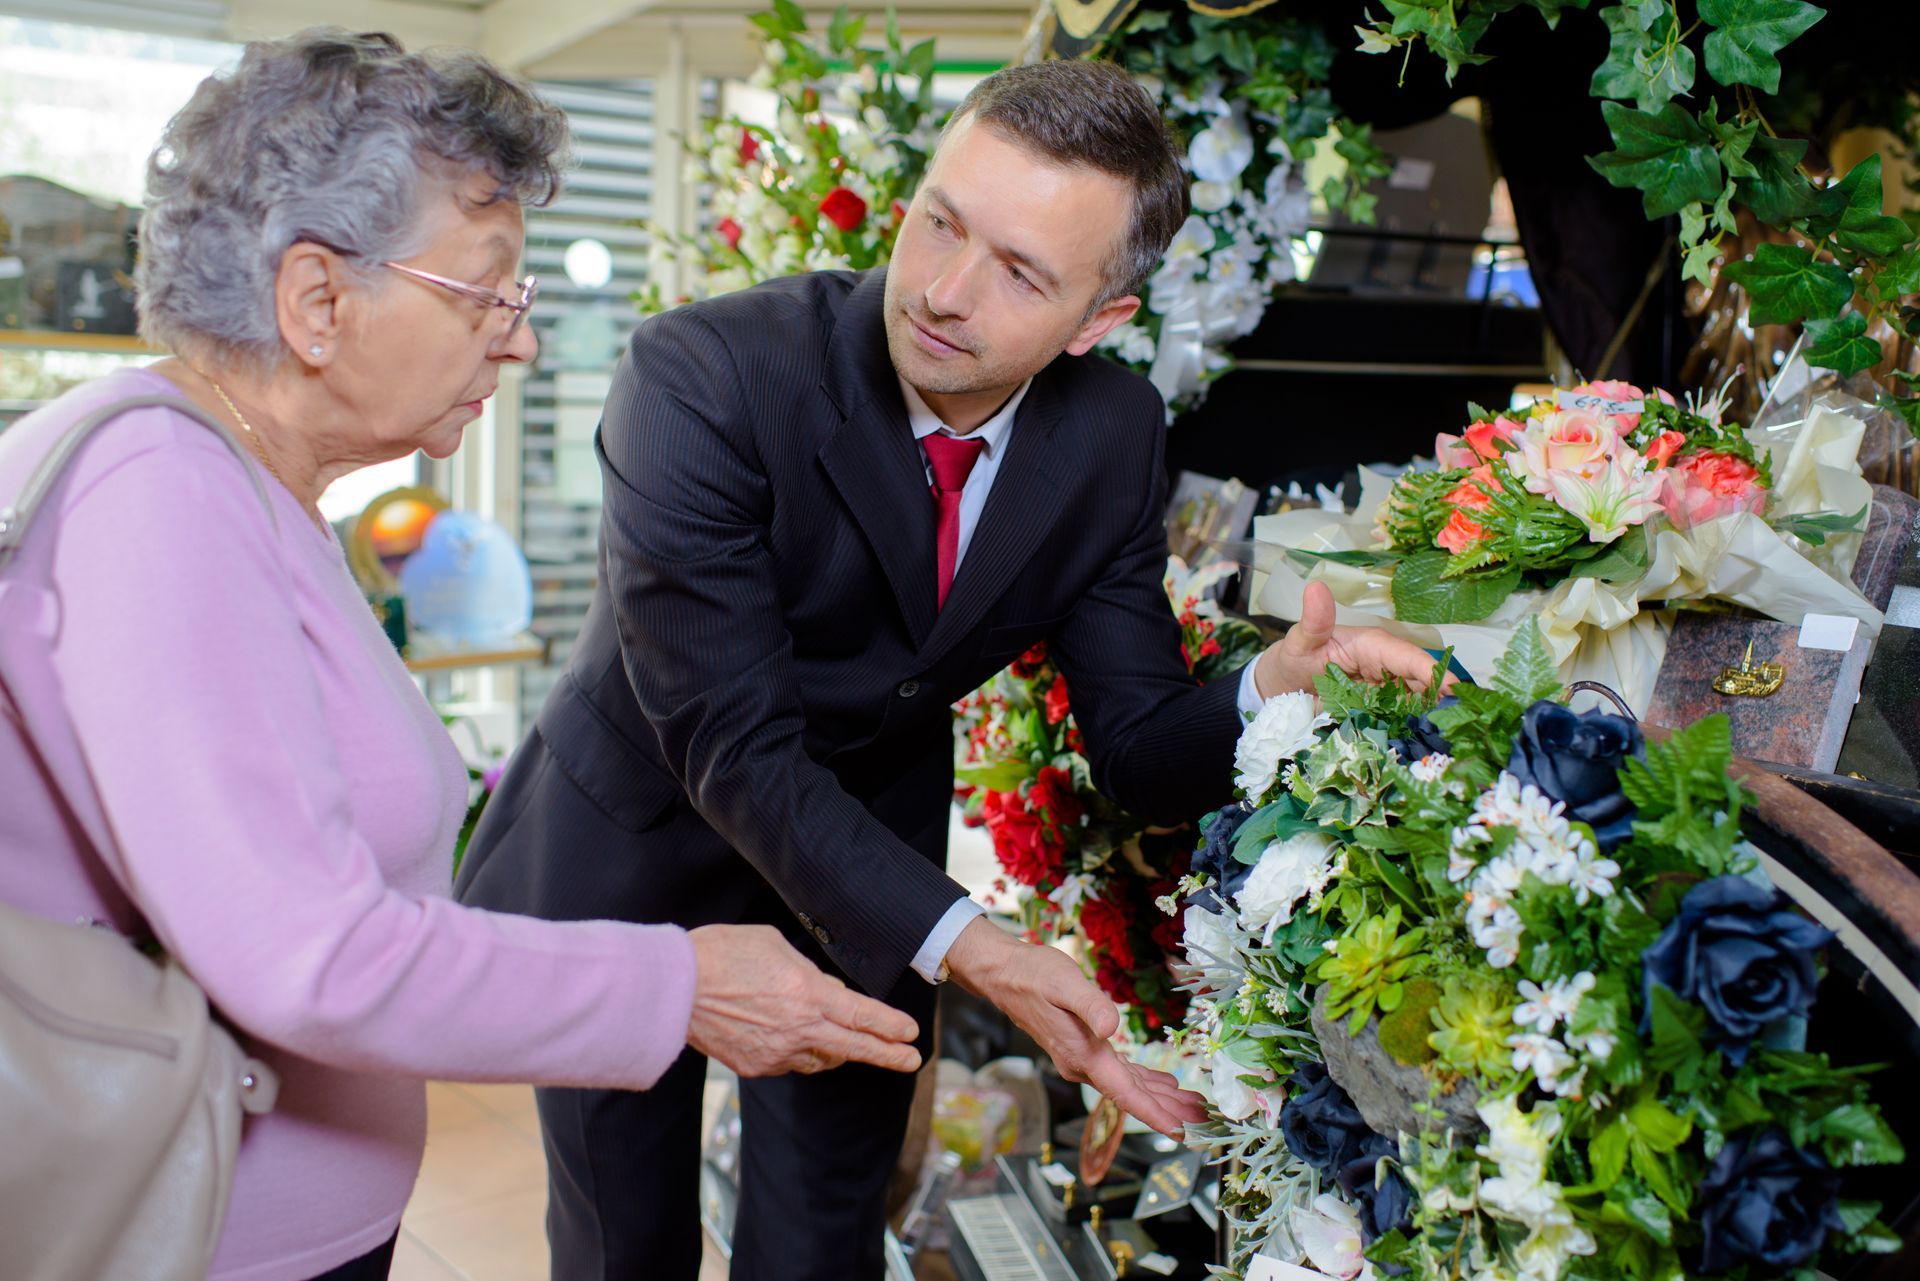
{"x": 468, "y": 583}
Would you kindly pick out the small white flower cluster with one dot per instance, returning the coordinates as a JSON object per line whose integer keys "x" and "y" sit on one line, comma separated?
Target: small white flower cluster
{"x": 1546, "y": 1007}
{"x": 1547, "y": 845}
{"x": 1518, "y": 1144}
{"x": 1430, "y": 768}
{"x": 1283, "y": 728}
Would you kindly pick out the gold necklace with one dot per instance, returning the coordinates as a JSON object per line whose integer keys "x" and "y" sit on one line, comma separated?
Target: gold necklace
{"x": 259, "y": 446}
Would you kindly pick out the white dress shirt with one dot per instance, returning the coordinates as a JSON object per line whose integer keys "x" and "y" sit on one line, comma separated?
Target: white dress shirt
{"x": 994, "y": 434}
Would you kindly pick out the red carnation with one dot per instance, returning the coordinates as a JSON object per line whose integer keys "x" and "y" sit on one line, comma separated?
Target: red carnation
{"x": 844, "y": 209}
{"x": 749, "y": 146}
{"x": 1116, "y": 983}
{"x": 1057, "y": 701}
{"x": 1105, "y": 922}
{"x": 1019, "y": 841}
{"x": 1052, "y": 795}
{"x": 729, "y": 231}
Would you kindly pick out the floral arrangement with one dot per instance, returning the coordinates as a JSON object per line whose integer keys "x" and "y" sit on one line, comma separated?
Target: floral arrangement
{"x": 1490, "y": 990}
{"x": 827, "y": 189}
{"x": 1594, "y": 514}
{"x": 1567, "y": 489}
{"x": 1249, "y": 95}
{"x": 1077, "y": 862}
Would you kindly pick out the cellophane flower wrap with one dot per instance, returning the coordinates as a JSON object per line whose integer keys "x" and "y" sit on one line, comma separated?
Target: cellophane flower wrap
{"x": 1489, "y": 990}
{"x": 1076, "y": 864}
{"x": 1590, "y": 512}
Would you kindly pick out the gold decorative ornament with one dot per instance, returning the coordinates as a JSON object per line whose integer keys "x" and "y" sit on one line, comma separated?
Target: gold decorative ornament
{"x": 1750, "y": 680}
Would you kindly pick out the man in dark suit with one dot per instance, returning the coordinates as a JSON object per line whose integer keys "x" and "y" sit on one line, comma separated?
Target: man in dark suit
{"x": 834, "y": 505}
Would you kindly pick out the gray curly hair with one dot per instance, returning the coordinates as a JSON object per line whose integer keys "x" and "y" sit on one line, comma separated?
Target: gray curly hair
{"x": 325, "y": 136}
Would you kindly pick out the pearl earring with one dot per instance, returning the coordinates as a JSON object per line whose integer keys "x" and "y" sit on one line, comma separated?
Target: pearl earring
{"x": 316, "y": 350}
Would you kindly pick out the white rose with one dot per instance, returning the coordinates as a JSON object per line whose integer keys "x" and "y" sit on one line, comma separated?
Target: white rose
{"x": 1287, "y": 872}
{"x": 1280, "y": 731}
{"x": 876, "y": 120}
{"x": 869, "y": 78}
{"x": 1206, "y": 937}
{"x": 848, "y": 93}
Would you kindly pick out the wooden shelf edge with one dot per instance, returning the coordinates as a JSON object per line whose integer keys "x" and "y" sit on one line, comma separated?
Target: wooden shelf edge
{"x": 63, "y": 340}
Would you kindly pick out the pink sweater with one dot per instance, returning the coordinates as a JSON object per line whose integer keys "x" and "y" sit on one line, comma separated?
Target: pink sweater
{"x": 283, "y": 805}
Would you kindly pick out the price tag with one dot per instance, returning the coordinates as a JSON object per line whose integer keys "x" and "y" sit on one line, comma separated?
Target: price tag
{"x": 1157, "y": 1263}
{"x": 1828, "y": 631}
{"x": 1264, "y": 1269}
{"x": 1058, "y": 1175}
{"x": 1597, "y": 404}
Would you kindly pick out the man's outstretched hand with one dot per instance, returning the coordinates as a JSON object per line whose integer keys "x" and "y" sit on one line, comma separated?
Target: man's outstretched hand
{"x": 1365, "y": 653}
{"x": 1043, "y": 991}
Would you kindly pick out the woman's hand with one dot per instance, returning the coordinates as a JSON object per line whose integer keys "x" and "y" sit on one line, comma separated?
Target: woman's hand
{"x": 763, "y": 1009}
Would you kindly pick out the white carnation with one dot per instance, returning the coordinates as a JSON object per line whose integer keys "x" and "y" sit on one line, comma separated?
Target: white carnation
{"x": 1207, "y": 937}
{"x": 1282, "y": 729}
{"x": 1287, "y": 872}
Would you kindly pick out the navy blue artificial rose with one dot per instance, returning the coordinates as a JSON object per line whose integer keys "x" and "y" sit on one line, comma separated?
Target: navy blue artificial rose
{"x": 1575, "y": 757}
{"x": 1320, "y": 1123}
{"x": 1423, "y": 738}
{"x": 1765, "y": 1201}
{"x": 1215, "y": 857}
{"x": 1738, "y": 951}
{"x": 1384, "y": 1207}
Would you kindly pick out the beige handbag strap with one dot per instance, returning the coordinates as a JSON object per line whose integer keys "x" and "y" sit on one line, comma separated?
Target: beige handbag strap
{"x": 16, "y": 518}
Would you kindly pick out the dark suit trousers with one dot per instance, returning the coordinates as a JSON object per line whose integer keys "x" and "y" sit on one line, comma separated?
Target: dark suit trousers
{"x": 817, "y": 1152}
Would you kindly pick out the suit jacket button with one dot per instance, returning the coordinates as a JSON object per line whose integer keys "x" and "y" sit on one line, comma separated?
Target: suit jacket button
{"x": 908, "y": 689}
{"x": 821, "y": 933}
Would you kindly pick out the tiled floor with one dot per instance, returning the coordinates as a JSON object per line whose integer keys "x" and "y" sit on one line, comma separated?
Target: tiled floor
{"x": 479, "y": 1210}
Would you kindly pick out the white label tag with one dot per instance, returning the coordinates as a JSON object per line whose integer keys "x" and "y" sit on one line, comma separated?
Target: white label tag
{"x": 1597, "y": 404}
{"x": 1828, "y": 631}
{"x": 12, "y": 268}
{"x": 1265, "y": 1269}
{"x": 1157, "y": 1263}
{"x": 1058, "y": 1175}
{"x": 1411, "y": 173}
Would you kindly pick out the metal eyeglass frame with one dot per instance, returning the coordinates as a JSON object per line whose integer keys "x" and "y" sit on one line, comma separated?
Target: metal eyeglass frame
{"x": 529, "y": 290}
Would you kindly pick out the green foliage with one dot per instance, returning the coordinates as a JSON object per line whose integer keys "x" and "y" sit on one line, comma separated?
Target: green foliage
{"x": 1526, "y": 672}
{"x": 1685, "y": 799}
{"x": 1842, "y": 344}
{"x": 1425, "y": 592}
{"x": 1816, "y": 527}
{"x": 1645, "y": 59}
{"x": 1747, "y": 35}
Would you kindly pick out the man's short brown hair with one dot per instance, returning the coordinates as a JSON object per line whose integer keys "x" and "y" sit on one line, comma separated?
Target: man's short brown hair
{"x": 1094, "y": 114}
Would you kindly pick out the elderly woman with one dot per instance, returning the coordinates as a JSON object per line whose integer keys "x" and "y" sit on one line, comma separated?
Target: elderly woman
{"x": 329, "y": 253}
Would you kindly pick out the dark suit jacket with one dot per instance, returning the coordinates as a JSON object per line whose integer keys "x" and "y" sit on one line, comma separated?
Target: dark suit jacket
{"x": 761, "y": 692}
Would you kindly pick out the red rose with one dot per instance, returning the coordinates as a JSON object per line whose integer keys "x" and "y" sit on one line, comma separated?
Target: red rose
{"x": 843, "y": 209}
{"x": 729, "y": 231}
{"x": 1722, "y": 474}
{"x": 749, "y": 146}
{"x": 1475, "y": 491}
{"x": 1105, "y": 922}
{"x": 1460, "y": 533}
{"x": 1486, "y": 438}
{"x": 1019, "y": 841}
{"x": 1057, "y": 701}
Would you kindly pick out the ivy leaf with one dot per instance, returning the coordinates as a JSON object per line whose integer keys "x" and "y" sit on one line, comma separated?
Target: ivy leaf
{"x": 919, "y": 60}
{"x": 1668, "y": 156}
{"x": 1444, "y": 33}
{"x": 791, "y": 14}
{"x": 1749, "y": 34}
{"x": 1736, "y": 140}
{"x": 1899, "y": 275}
{"x": 1658, "y": 1128}
{"x": 1842, "y": 344}
{"x": 1608, "y": 1152}
{"x": 1422, "y": 595}
{"x": 1786, "y": 284}
{"x": 1698, "y": 265}
{"x": 1146, "y": 20}
{"x": 1693, "y": 224}
{"x": 1856, "y": 1134}
{"x": 1643, "y": 62}
{"x": 1777, "y": 193}
{"x": 1858, "y": 223}
{"x": 1907, "y": 407}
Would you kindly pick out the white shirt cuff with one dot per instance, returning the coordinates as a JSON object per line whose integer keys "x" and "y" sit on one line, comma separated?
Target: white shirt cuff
{"x": 1250, "y": 700}
{"x": 926, "y": 962}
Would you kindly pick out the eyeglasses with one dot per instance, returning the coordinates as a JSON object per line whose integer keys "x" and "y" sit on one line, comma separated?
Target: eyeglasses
{"x": 529, "y": 290}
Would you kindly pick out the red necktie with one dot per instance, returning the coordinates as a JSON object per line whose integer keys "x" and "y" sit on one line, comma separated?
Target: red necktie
{"x": 952, "y": 458}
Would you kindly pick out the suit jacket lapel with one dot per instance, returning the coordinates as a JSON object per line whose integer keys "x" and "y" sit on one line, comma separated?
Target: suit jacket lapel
{"x": 1021, "y": 511}
{"x": 873, "y": 459}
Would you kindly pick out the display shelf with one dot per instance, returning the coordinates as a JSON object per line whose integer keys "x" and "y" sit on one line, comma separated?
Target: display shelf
{"x": 427, "y": 655}
{"x": 63, "y": 340}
